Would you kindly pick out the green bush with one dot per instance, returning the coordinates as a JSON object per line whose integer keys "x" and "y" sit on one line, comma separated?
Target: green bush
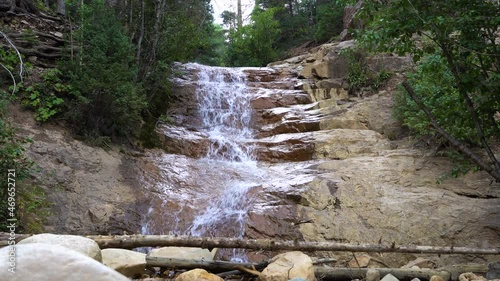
{"x": 434, "y": 84}
{"x": 46, "y": 98}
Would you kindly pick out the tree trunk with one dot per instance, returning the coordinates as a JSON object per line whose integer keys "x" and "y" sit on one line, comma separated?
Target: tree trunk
{"x": 239, "y": 15}
{"x": 61, "y": 7}
{"x": 134, "y": 241}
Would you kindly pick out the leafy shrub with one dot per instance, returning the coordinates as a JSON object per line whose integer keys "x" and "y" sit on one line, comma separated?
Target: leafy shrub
{"x": 46, "y": 97}
{"x": 434, "y": 84}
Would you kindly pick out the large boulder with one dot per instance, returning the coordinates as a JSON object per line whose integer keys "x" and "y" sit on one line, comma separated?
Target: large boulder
{"x": 184, "y": 253}
{"x": 80, "y": 244}
{"x": 129, "y": 263}
{"x": 287, "y": 266}
{"x": 198, "y": 274}
{"x": 45, "y": 262}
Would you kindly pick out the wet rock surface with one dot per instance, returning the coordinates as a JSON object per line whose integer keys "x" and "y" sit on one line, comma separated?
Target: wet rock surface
{"x": 331, "y": 167}
{"x": 358, "y": 179}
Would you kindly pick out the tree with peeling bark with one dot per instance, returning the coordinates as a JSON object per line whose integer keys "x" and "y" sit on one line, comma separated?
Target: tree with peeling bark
{"x": 455, "y": 91}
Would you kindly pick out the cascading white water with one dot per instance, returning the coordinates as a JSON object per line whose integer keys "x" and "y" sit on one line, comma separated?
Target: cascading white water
{"x": 225, "y": 110}
{"x": 224, "y": 106}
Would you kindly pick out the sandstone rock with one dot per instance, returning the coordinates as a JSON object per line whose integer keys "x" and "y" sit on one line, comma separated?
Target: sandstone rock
{"x": 80, "y": 244}
{"x": 421, "y": 263}
{"x": 184, "y": 253}
{"x": 372, "y": 275}
{"x": 288, "y": 266}
{"x": 436, "y": 278}
{"x": 91, "y": 188}
{"x": 345, "y": 143}
{"x": 129, "y": 263}
{"x": 469, "y": 276}
{"x": 389, "y": 277}
{"x": 45, "y": 262}
{"x": 180, "y": 140}
{"x": 198, "y": 275}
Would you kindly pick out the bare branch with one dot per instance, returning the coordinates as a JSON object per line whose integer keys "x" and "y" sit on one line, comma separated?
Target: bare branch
{"x": 18, "y": 54}
{"x": 12, "y": 76}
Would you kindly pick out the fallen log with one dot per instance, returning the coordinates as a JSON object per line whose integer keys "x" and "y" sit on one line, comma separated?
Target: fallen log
{"x": 134, "y": 241}
{"x": 212, "y": 266}
{"x": 360, "y": 273}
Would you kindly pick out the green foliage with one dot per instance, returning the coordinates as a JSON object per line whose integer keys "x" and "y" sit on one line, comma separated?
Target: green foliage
{"x": 254, "y": 44}
{"x": 456, "y": 46}
{"x": 303, "y": 21}
{"x": 104, "y": 71}
{"x": 46, "y": 97}
{"x": 8, "y": 58}
{"x": 329, "y": 21}
{"x": 434, "y": 84}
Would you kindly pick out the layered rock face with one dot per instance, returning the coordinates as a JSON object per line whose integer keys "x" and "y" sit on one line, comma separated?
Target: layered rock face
{"x": 339, "y": 168}
{"x": 90, "y": 190}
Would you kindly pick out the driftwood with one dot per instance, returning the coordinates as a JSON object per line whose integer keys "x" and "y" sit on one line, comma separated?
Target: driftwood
{"x": 212, "y": 266}
{"x": 360, "y": 273}
{"x": 134, "y": 241}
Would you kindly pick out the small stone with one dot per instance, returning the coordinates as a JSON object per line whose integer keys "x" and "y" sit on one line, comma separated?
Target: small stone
{"x": 415, "y": 279}
{"x": 57, "y": 34}
{"x": 389, "y": 277}
{"x": 469, "y": 276}
{"x": 129, "y": 263}
{"x": 197, "y": 274}
{"x": 288, "y": 266}
{"x": 436, "y": 278}
{"x": 184, "y": 252}
{"x": 372, "y": 275}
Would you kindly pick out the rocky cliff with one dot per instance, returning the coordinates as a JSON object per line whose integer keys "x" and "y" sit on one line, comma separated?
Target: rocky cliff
{"x": 339, "y": 167}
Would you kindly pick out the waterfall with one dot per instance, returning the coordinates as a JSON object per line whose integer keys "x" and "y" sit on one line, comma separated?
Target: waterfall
{"x": 225, "y": 110}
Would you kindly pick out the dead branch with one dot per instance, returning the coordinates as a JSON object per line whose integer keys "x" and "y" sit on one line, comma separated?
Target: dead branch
{"x": 213, "y": 266}
{"x": 21, "y": 64}
{"x": 133, "y": 241}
